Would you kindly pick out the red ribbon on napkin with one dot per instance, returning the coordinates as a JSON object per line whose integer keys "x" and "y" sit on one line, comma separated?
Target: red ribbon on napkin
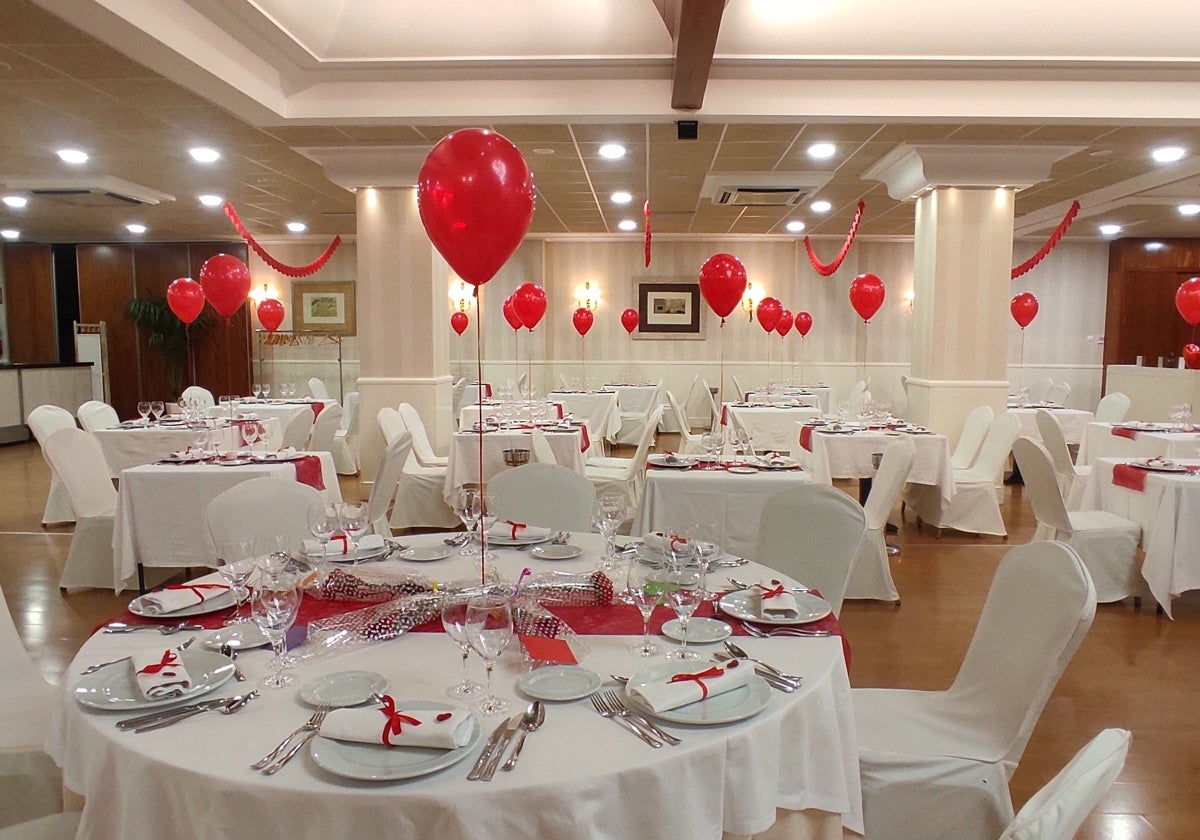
{"x": 806, "y": 433}
{"x": 344, "y": 540}
{"x": 769, "y": 592}
{"x": 308, "y": 471}
{"x": 196, "y": 587}
{"x": 699, "y": 678}
{"x": 1122, "y": 431}
{"x": 516, "y": 526}
{"x": 169, "y": 660}
{"x": 395, "y": 719}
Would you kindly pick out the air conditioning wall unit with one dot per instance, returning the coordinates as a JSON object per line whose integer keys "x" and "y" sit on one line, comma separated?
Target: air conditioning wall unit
{"x": 763, "y": 189}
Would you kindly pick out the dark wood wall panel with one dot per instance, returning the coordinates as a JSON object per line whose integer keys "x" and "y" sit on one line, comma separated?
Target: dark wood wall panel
{"x": 105, "y": 286}
{"x": 223, "y": 354}
{"x": 155, "y": 265}
{"x": 29, "y": 278}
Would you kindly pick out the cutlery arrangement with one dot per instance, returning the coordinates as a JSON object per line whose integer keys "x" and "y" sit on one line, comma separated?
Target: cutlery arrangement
{"x": 782, "y": 630}
{"x": 169, "y": 717}
{"x": 610, "y": 702}
{"x": 91, "y": 669}
{"x": 534, "y": 717}
{"x": 606, "y": 711}
{"x": 165, "y": 629}
{"x": 274, "y": 761}
{"x": 485, "y": 766}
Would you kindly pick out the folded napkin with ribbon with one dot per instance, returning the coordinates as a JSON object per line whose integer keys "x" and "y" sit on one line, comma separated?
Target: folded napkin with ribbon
{"x": 392, "y": 727}
{"x": 188, "y": 452}
{"x": 663, "y": 542}
{"x": 776, "y": 601}
{"x": 510, "y": 530}
{"x": 691, "y": 687}
{"x": 340, "y": 544}
{"x": 287, "y": 452}
{"x": 161, "y": 676}
{"x": 179, "y": 596}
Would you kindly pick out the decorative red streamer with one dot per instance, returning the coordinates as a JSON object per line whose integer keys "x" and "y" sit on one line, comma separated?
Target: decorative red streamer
{"x": 826, "y": 270}
{"x": 646, "y": 210}
{"x": 283, "y": 268}
{"x": 1054, "y": 239}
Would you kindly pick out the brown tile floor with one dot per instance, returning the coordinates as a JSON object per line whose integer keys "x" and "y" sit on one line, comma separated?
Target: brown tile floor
{"x": 1135, "y": 669}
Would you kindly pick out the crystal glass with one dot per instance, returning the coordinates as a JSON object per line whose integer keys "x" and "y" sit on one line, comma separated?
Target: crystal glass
{"x": 200, "y": 435}
{"x": 706, "y": 549}
{"x": 646, "y": 593}
{"x": 711, "y": 441}
{"x": 610, "y": 511}
{"x": 487, "y": 518}
{"x": 322, "y": 524}
{"x": 353, "y": 521}
{"x": 236, "y": 559}
{"x": 275, "y": 608}
{"x": 681, "y": 590}
{"x": 157, "y": 409}
{"x": 266, "y": 390}
{"x": 489, "y": 629}
{"x": 143, "y": 409}
{"x": 454, "y": 620}
{"x": 249, "y": 431}
{"x": 256, "y": 389}
{"x": 468, "y": 508}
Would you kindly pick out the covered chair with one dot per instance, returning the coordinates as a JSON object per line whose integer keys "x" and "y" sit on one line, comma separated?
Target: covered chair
{"x": 97, "y": 414}
{"x": 419, "y": 501}
{"x": 458, "y": 392}
{"x": 203, "y": 396}
{"x": 811, "y": 533}
{"x": 870, "y": 575}
{"x": 1112, "y": 408}
{"x": 345, "y": 439}
{"x": 974, "y": 507}
{"x": 937, "y": 763}
{"x": 1039, "y": 388}
{"x": 61, "y": 826}
{"x": 44, "y": 421}
{"x": 260, "y": 509}
{"x": 317, "y": 389}
{"x": 737, "y": 386}
{"x": 713, "y": 410}
{"x": 1106, "y": 543}
{"x": 1072, "y": 480}
{"x": 689, "y": 443}
{"x": 324, "y": 428}
{"x": 422, "y": 448}
{"x": 625, "y": 475}
{"x": 974, "y": 430}
{"x": 387, "y": 480}
{"x": 1058, "y": 393}
{"x": 546, "y": 495}
{"x": 633, "y": 422}
{"x": 298, "y": 429}
{"x": 543, "y": 452}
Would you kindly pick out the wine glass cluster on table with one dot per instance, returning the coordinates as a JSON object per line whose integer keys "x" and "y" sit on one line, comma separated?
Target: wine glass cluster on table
{"x": 151, "y": 411}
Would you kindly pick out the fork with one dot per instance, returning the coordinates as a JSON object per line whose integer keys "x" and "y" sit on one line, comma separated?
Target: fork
{"x": 310, "y": 725}
{"x": 610, "y": 699}
{"x": 763, "y": 633}
{"x": 606, "y": 712}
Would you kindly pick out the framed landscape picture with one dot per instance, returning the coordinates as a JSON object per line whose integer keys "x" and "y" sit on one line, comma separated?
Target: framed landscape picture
{"x": 669, "y": 309}
{"x": 323, "y": 306}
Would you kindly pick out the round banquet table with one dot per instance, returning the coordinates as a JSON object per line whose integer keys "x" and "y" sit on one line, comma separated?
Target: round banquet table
{"x": 793, "y": 767}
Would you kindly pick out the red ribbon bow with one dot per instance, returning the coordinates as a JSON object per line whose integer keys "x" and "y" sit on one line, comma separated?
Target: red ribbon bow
{"x": 345, "y": 540}
{"x": 516, "y": 526}
{"x": 169, "y": 660}
{"x": 699, "y": 678}
{"x": 395, "y": 720}
{"x": 769, "y": 593}
{"x": 676, "y": 540}
{"x": 196, "y": 587}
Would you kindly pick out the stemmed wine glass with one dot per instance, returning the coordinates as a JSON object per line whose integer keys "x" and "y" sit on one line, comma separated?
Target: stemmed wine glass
{"x": 266, "y": 390}
{"x": 322, "y": 523}
{"x": 711, "y": 441}
{"x": 274, "y": 612}
{"x": 353, "y": 521}
{"x": 236, "y": 567}
{"x": 454, "y": 620}
{"x": 256, "y": 389}
{"x": 489, "y": 630}
{"x": 157, "y": 409}
{"x": 143, "y": 409}
{"x": 611, "y": 510}
{"x": 469, "y": 508}
{"x": 249, "y": 433}
{"x": 646, "y": 594}
{"x": 681, "y": 587}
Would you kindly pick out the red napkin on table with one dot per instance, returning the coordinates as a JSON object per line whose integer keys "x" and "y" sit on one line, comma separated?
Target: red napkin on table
{"x": 584, "y": 442}
{"x": 806, "y": 433}
{"x": 1129, "y": 477}
{"x": 308, "y": 471}
{"x": 1121, "y": 431}
{"x": 545, "y": 649}
{"x": 724, "y": 415}
{"x": 317, "y": 408}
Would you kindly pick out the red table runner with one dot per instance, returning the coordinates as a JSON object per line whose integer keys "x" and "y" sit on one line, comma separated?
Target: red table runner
{"x": 308, "y": 471}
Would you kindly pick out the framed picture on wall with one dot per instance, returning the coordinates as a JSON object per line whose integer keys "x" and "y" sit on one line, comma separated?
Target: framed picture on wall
{"x": 323, "y": 306}
{"x": 669, "y": 309}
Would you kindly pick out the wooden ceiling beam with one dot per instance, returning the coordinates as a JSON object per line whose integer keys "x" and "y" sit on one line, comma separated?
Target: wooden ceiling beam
{"x": 695, "y": 36}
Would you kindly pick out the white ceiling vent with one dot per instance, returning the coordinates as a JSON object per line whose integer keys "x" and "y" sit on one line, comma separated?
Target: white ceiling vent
{"x": 99, "y": 191}
{"x": 763, "y": 189}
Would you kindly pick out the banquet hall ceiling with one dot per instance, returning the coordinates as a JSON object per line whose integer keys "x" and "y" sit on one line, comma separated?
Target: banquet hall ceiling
{"x": 316, "y": 79}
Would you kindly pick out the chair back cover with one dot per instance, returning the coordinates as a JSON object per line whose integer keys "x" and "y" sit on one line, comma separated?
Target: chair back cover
{"x": 1112, "y": 408}
{"x": 422, "y": 448}
{"x": 1058, "y": 810}
{"x": 689, "y": 443}
{"x": 350, "y": 415}
{"x": 712, "y": 404}
{"x": 1058, "y": 393}
{"x": 260, "y": 508}
{"x": 974, "y": 430}
{"x": 889, "y": 481}
{"x": 637, "y": 464}
{"x": 811, "y": 533}
{"x": 79, "y": 461}
{"x": 45, "y": 420}
{"x": 387, "y": 476}
{"x": 545, "y": 495}
{"x": 391, "y": 424}
{"x": 996, "y": 445}
{"x": 737, "y": 386}
{"x": 1037, "y": 471}
{"x": 1056, "y": 444}
{"x": 324, "y": 428}
{"x": 202, "y": 395}
{"x": 543, "y": 453}
{"x": 1039, "y": 388}
{"x": 317, "y": 389}
{"x": 296, "y": 432}
{"x": 97, "y": 414}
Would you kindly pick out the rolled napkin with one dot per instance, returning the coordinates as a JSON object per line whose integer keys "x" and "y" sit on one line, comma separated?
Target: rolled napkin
{"x": 776, "y": 601}
{"x": 287, "y": 452}
{"x": 161, "y": 676}
{"x": 677, "y": 690}
{"x": 511, "y": 530}
{"x": 180, "y": 596}
{"x": 433, "y": 729}
{"x": 662, "y": 541}
{"x": 341, "y": 545}
{"x": 189, "y": 452}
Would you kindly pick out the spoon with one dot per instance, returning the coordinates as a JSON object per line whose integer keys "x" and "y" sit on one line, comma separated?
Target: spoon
{"x": 535, "y": 716}
{"x": 743, "y": 585}
{"x": 737, "y": 651}
{"x": 457, "y": 541}
{"x": 231, "y": 652}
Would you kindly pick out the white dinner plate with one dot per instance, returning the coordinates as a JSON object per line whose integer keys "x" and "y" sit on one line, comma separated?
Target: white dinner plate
{"x": 739, "y": 704}
{"x": 494, "y": 540}
{"x": 241, "y": 636}
{"x": 377, "y": 763}
{"x": 778, "y": 463}
{"x": 746, "y": 604}
{"x": 673, "y": 461}
{"x": 1160, "y": 466}
{"x": 425, "y": 553}
{"x": 276, "y": 458}
{"x": 700, "y": 631}
{"x": 114, "y": 687}
{"x": 190, "y": 458}
{"x": 343, "y": 688}
{"x": 742, "y": 469}
{"x": 215, "y": 604}
{"x": 559, "y": 682}
{"x": 554, "y": 551}
{"x": 351, "y": 557}
{"x": 234, "y": 462}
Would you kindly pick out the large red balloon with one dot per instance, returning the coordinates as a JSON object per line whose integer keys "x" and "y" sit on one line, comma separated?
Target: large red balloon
{"x": 510, "y": 314}
{"x": 270, "y": 314}
{"x": 769, "y": 311}
{"x": 475, "y": 196}
{"x": 529, "y": 301}
{"x": 866, "y": 295}
{"x": 629, "y": 320}
{"x": 1024, "y": 308}
{"x": 458, "y": 322}
{"x": 1187, "y": 300}
{"x": 226, "y": 283}
{"x": 186, "y": 299}
{"x": 803, "y": 323}
{"x": 583, "y": 319}
{"x": 1191, "y": 356}
{"x": 785, "y": 323}
{"x": 722, "y": 282}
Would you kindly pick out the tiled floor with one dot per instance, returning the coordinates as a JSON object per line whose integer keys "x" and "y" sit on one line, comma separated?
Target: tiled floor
{"x": 1135, "y": 669}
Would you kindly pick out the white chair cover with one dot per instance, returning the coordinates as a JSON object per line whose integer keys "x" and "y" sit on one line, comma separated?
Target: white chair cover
{"x": 78, "y": 459}
{"x": 317, "y": 389}
{"x": 1072, "y": 480}
{"x": 391, "y": 424}
{"x": 422, "y": 448}
{"x": 97, "y": 414}
{"x": 975, "y": 508}
{"x": 811, "y": 533}
{"x": 870, "y": 574}
{"x": 689, "y": 443}
{"x": 202, "y": 395}
{"x": 545, "y": 495}
{"x": 61, "y": 826}
{"x": 633, "y": 423}
{"x": 542, "y": 451}
{"x": 387, "y": 481}
{"x": 1112, "y": 408}
{"x": 458, "y": 392}
{"x": 737, "y": 386}
{"x": 259, "y": 509}
{"x": 345, "y": 439}
{"x": 974, "y": 430}
{"x": 1039, "y": 388}
{"x": 1058, "y": 810}
{"x": 419, "y": 500}
{"x": 296, "y": 432}
{"x": 1058, "y": 393}
{"x": 1107, "y": 543}
{"x": 933, "y": 759}
{"x": 324, "y": 428}
{"x": 44, "y": 421}
{"x": 626, "y": 475}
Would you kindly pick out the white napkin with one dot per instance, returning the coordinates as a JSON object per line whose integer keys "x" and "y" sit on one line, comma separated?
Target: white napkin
{"x": 663, "y": 694}
{"x": 504, "y": 530}
{"x": 439, "y": 730}
{"x": 180, "y": 596}
{"x": 161, "y": 675}
{"x": 189, "y": 452}
{"x": 370, "y": 542}
{"x": 776, "y": 602}
{"x": 287, "y": 452}
{"x": 661, "y": 541}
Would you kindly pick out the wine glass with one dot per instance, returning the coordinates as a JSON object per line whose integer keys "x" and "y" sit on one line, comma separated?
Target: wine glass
{"x": 353, "y": 521}
{"x": 143, "y": 409}
{"x": 274, "y": 611}
{"x": 200, "y": 436}
{"x": 249, "y": 433}
{"x": 454, "y": 620}
{"x": 487, "y": 518}
{"x": 681, "y": 588}
{"x": 489, "y": 630}
{"x": 646, "y": 593}
{"x": 266, "y": 390}
{"x": 611, "y": 510}
{"x": 236, "y": 559}
{"x": 256, "y": 390}
{"x": 322, "y": 523}
{"x": 711, "y": 441}
{"x": 706, "y": 548}
{"x": 156, "y": 410}
{"x": 468, "y": 508}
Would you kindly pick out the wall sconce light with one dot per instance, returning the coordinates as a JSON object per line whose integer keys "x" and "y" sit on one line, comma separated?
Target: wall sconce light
{"x": 586, "y": 297}
{"x": 267, "y": 292}
{"x": 460, "y": 296}
{"x": 909, "y": 296}
{"x": 751, "y": 298}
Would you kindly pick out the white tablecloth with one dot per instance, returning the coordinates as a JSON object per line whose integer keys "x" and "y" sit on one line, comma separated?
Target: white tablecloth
{"x": 1072, "y": 421}
{"x": 463, "y": 467}
{"x": 131, "y": 447}
{"x": 1100, "y": 442}
{"x": 160, "y": 509}
{"x": 283, "y": 411}
{"x": 1169, "y": 512}
{"x": 772, "y": 428}
{"x": 592, "y": 407}
{"x": 675, "y": 499}
{"x": 580, "y": 777}
{"x": 849, "y": 456}
{"x": 821, "y": 395}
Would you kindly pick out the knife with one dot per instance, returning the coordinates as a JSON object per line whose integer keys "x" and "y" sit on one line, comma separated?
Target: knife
{"x": 492, "y": 741}
{"x": 204, "y": 705}
{"x": 510, "y": 731}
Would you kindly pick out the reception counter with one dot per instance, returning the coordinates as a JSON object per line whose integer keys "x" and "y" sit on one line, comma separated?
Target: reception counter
{"x": 24, "y": 387}
{"x": 1153, "y": 390}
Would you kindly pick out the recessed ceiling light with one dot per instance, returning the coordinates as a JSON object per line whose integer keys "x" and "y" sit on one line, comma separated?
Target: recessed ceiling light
{"x": 821, "y": 206}
{"x": 822, "y": 151}
{"x": 1154, "y": 246}
{"x": 135, "y": 228}
{"x": 621, "y": 197}
{"x": 10, "y": 233}
{"x": 612, "y": 151}
{"x": 543, "y": 151}
{"x": 627, "y": 224}
{"x": 297, "y": 227}
{"x": 1168, "y": 154}
{"x": 72, "y": 156}
{"x": 1189, "y": 209}
{"x": 1110, "y": 229}
{"x": 16, "y": 201}
{"x": 209, "y": 200}
{"x": 795, "y": 226}
{"x": 203, "y": 154}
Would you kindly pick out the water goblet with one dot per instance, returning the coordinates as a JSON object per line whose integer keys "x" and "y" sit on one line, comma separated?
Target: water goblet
{"x": 454, "y": 620}
{"x": 266, "y": 390}
{"x": 249, "y": 430}
{"x": 256, "y": 390}
{"x": 487, "y": 518}
{"x": 468, "y": 508}
{"x": 157, "y": 409}
{"x": 353, "y": 521}
{"x": 143, "y": 409}
{"x": 274, "y": 611}
{"x": 322, "y": 523}
{"x": 646, "y": 593}
{"x": 611, "y": 510}
{"x": 705, "y": 549}
{"x": 711, "y": 441}
{"x": 682, "y": 591}
{"x": 200, "y": 436}
{"x": 236, "y": 559}
{"x": 489, "y": 629}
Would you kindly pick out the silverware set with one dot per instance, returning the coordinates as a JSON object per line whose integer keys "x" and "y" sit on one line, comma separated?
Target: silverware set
{"x": 289, "y": 747}
{"x": 169, "y": 717}
{"x": 497, "y": 745}
{"x": 608, "y": 705}
{"x": 165, "y": 629}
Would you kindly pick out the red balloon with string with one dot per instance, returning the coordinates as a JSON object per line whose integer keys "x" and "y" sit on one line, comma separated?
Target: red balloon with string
{"x": 1191, "y": 356}
{"x": 866, "y": 295}
{"x": 270, "y": 314}
{"x": 529, "y": 301}
{"x": 1024, "y": 308}
{"x": 226, "y": 283}
{"x": 629, "y": 320}
{"x": 510, "y": 314}
{"x": 186, "y": 299}
{"x": 722, "y": 282}
{"x": 459, "y": 322}
{"x": 1187, "y": 300}
{"x": 768, "y": 312}
{"x": 785, "y": 322}
{"x": 583, "y": 319}
{"x": 804, "y": 323}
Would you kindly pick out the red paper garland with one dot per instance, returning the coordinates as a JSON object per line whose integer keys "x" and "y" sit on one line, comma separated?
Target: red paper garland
{"x": 826, "y": 270}
{"x": 1054, "y": 239}
{"x": 646, "y": 210}
{"x": 283, "y": 268}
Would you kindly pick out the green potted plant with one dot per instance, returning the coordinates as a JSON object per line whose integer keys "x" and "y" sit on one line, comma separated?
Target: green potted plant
{"x": 166, "y": 332}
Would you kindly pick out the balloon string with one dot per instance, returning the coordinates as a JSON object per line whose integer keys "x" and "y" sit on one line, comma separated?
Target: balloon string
{"x": 479, "y": 433}
{"x": 1021, "y": 361}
